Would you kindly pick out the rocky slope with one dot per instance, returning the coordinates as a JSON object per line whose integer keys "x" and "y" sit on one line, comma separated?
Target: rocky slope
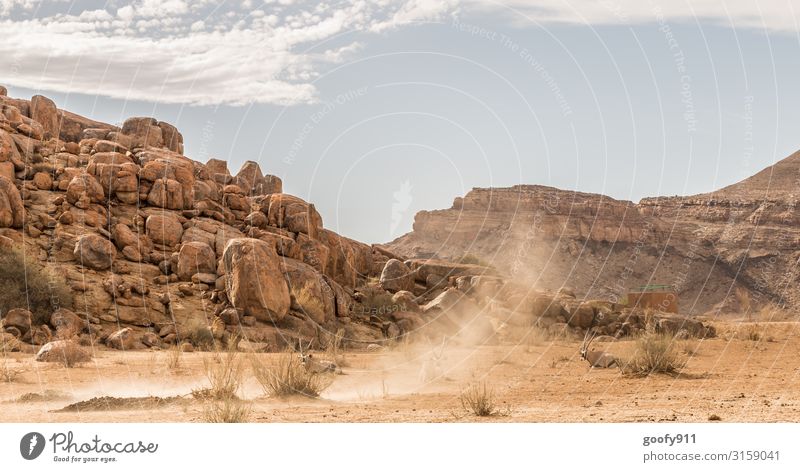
{"x": 157, "y": 248}
{"x": 111, "y": 236}
{"x": 733, "y": 251}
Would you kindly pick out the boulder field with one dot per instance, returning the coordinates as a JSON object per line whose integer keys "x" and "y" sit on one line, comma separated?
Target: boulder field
{"x": 148, "y": 248}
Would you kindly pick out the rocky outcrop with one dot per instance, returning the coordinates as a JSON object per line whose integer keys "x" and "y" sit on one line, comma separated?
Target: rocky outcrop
{"x": 396, "y": 277}
{"x": 12, "y": 212}
{"x": 254, "y": 281}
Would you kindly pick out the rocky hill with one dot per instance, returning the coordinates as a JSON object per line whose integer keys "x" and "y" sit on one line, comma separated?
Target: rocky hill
{"x": 732, "y": 251}
{"x": 111, "y": 236}
{"x": 154, "y": 247}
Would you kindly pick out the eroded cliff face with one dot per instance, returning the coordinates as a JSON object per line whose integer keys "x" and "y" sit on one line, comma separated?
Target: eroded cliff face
{"x": 730, "y": 251}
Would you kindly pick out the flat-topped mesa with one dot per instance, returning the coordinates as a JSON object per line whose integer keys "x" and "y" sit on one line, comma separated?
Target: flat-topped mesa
{"x": 548, "y": 211}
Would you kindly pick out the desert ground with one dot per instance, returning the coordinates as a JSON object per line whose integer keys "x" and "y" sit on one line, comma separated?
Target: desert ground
{"x": 748, "y": 373}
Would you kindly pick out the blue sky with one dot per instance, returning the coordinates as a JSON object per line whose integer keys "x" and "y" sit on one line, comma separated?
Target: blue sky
{"x": 376, "y": 110}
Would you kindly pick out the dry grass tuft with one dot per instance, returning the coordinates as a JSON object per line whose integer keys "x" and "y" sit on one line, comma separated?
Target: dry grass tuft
{"x": 656, "y": 353}
{"x": 224, "y": 374}
{"x": 334, "y": 349}
{"x": 289, "y": 377}
{"x": 174, "y": 356}
{"x": 9, "y": 374}
{"x": 479, "y": 399}
{"x": 228, "y": 410}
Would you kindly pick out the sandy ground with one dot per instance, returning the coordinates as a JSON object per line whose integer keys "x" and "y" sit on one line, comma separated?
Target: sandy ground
{"x": 733, "y": 377}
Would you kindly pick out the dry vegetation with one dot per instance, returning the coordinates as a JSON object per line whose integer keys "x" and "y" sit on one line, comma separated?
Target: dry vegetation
{"x": 655, "y": 353}
{"x": 174, "y": 354}
{"x": 27, "y": 284}
{"x": 289, "y": 377}
{"x": 229, "y": 410}
{"x": 224, "y": 373}
{"x": 479, "y": 399}
{"x": 504, "y": 382}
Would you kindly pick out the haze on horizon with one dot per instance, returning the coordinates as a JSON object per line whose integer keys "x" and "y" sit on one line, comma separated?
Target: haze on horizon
{"x": 376, "y": 110}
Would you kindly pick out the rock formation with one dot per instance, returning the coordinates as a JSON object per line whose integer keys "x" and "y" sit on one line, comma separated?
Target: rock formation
{"x": 157, "y": 249}
{"x": 732, "y": 251}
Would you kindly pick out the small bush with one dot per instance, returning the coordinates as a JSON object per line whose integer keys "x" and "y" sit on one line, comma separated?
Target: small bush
{"x": 227, "y": 411}
{"x": 200, "y": 336}
{"x": 224, "y": 374}
{"x": 289, "y": 377}
{"x": 655, "y": 353}
{"x": 479, "y": 399}
{"x": 754, "y": 332}
{"x": 376, "y": 301}
{"x": 474, "y": 260}
{"x": 8, "y": 374}
{"x": 27, "y": 284}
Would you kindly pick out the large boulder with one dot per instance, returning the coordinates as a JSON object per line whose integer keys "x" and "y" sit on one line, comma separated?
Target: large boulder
{"x": 294, "y": 214}
{"x": 396, "y": 276}
{"x": 164, "y": 228}
{"x": 309, "y": 291}
{"x": 84, "y": 189}
{"x": 674, "y": 324}
{"x": 254, "y": 281}
{"x": 194, "y": 258}
{"x": 173, "y": 139}
{"x": 171, "y": 178}
{"x": 45, "y": 112}
{"x": 18, "y": 318}
{"x": 94, "y": 252}
{"x": 117, "y": 173}
{"x": 583, "y": 316}
{"x": 12, "y": 212}
{"x": 63, "y": 351}
{"x": 66, "y": 323}
{"x": 123, "y": 340}
{"x": 9, "y": 151}
{"x": 143, "y": 132}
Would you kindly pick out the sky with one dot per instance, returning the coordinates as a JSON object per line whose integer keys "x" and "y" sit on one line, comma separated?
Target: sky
{"x": 375, "y": 110}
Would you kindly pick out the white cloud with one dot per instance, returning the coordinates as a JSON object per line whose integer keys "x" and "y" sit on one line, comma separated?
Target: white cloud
{"x": 205, "y": 52}
{"x": 771, "y": 15}
{"x": 159, "y": 50}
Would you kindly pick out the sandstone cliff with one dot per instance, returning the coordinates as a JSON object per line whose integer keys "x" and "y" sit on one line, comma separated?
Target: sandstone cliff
{"x": 730, "y": 251}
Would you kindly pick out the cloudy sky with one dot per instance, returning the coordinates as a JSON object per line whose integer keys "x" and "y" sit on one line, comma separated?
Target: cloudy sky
{"x": 375, "y": 110}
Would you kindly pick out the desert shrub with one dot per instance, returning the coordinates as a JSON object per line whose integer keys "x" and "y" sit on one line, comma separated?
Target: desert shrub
{"x": 174, "y": 356}
{"x": 224, "y": 374}
{"x": 374, "y": 300}
{"x": 200, "y": 336}
{"x": 479, "y": 399}
{"x": 289, "y": 377}
{"x": 8, "y": 374}
{"x": 228, "y": 410}
{"x": 27, "y": 284}
{"x": 334, "y": 348}
{"x": 754, "y": 332}
{"x": 474, "y": 260}
{"x": 655, "y": 353}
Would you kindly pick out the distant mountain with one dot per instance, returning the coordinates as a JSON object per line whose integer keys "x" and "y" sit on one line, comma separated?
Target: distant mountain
{"x": 732, "y": 251}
